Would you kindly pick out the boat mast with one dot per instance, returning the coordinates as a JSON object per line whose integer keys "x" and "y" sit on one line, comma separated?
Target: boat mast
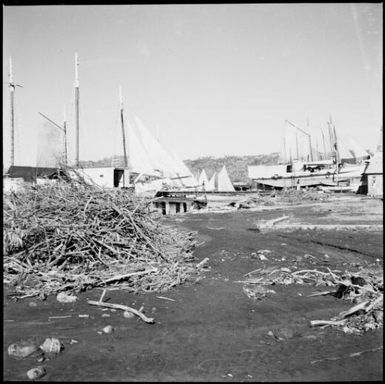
{"x": 76, "y": 84}
{"x": 305, "y": 133}
{"x": 65, "y": 136}
{"x": 122, "y": 123}
{"x": 309, "y": 136}
{"x": 323, "y": 143}
{"x": 335, "y": 148}
{"x": 12, "y": 94}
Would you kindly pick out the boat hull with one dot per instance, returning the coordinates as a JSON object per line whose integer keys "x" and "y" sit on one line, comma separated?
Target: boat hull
{"x": 312, "y": 179}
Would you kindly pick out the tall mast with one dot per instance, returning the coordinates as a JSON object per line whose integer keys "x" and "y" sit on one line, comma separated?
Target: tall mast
{"x": 323, "y": 142}
{"x": 65, "y": 136}
{"x": 12, "y": 94}
{"x": 331, "y": 139}
{"x": 309, "y": 136}
{"x": 76, "y": 84}
{"x": 122, "y": 123}
{"x": 335, "y": 148}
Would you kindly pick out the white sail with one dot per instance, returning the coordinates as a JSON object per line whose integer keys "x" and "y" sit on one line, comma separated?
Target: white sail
{"x": 211, "y": 184}
{"x": 138, "y": 159}
{"x": 224, "y": 182}
{"x": 203, "y": 180}
{"x": 187, "y": 178}
{"x": 348, "y": 148}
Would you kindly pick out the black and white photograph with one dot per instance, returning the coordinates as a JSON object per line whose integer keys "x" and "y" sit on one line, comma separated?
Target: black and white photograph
{"x": 192, "y": 192}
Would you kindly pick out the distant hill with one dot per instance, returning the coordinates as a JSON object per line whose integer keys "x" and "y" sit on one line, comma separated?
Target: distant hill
{"x": 236, "y": 165}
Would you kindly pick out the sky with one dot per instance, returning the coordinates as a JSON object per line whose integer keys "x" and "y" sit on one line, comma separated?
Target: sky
{"x": 212, "y": 79}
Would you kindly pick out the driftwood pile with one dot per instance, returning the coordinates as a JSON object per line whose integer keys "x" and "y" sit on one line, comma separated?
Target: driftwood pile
{"x": 69, "y": 236}
{"x": 363, "y": 288}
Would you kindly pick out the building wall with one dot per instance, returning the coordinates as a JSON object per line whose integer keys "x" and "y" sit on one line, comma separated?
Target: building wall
{"x": 375, "y": 185}
{"x": 104, "y": 177}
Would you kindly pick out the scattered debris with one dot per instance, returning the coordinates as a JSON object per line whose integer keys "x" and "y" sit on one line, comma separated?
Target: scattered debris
{"x": 52, "y": 345}
{"x": 64, "y": 297}
{"x": 108, "y": 329}
{"x": 128, "y": 315}
{"x": 165, "y": 298}
{"x": 36, "y": 373}
{"x": 202, "y": 263}
{"x": 353, "y": 354}
{"x": 364, "y": 288}
{"x": 257, "y": 292}
{"x": 22, "y": 349}
{"x": 123, "y": 308}
{"x": 59, "y": 317}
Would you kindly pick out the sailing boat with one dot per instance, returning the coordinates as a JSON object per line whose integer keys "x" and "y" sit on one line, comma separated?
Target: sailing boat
{"x": 303, "y": 166}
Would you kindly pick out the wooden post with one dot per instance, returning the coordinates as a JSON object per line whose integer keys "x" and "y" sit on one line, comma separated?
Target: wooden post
{"x": 123, "y": 132}
{"x": 77, "y": 108}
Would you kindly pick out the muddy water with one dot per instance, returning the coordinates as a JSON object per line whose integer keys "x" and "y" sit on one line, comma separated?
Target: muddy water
{"x": 212, "y": 331}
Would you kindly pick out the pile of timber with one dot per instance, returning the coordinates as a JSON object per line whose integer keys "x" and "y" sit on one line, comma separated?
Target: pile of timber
{"x": 70, "y": 236}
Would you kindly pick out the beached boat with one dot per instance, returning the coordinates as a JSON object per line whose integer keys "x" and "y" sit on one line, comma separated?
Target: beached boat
{"x": 303, "y": 165}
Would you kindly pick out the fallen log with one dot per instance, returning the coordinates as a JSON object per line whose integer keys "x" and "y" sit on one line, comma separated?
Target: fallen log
{"x": 146, "y": 319}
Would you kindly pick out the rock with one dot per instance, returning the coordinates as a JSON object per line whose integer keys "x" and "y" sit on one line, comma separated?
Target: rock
{"x": 22, "y": 349}
{"x": 286, "y": 333}
{"x": 64, "y": 297}
{"x": 52, "y": 345}
{"x": 108, "y": 329}
{"x": 36, "y": 373}
{"x": 262, "y": 257}
{"x": 128, "y": 315}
